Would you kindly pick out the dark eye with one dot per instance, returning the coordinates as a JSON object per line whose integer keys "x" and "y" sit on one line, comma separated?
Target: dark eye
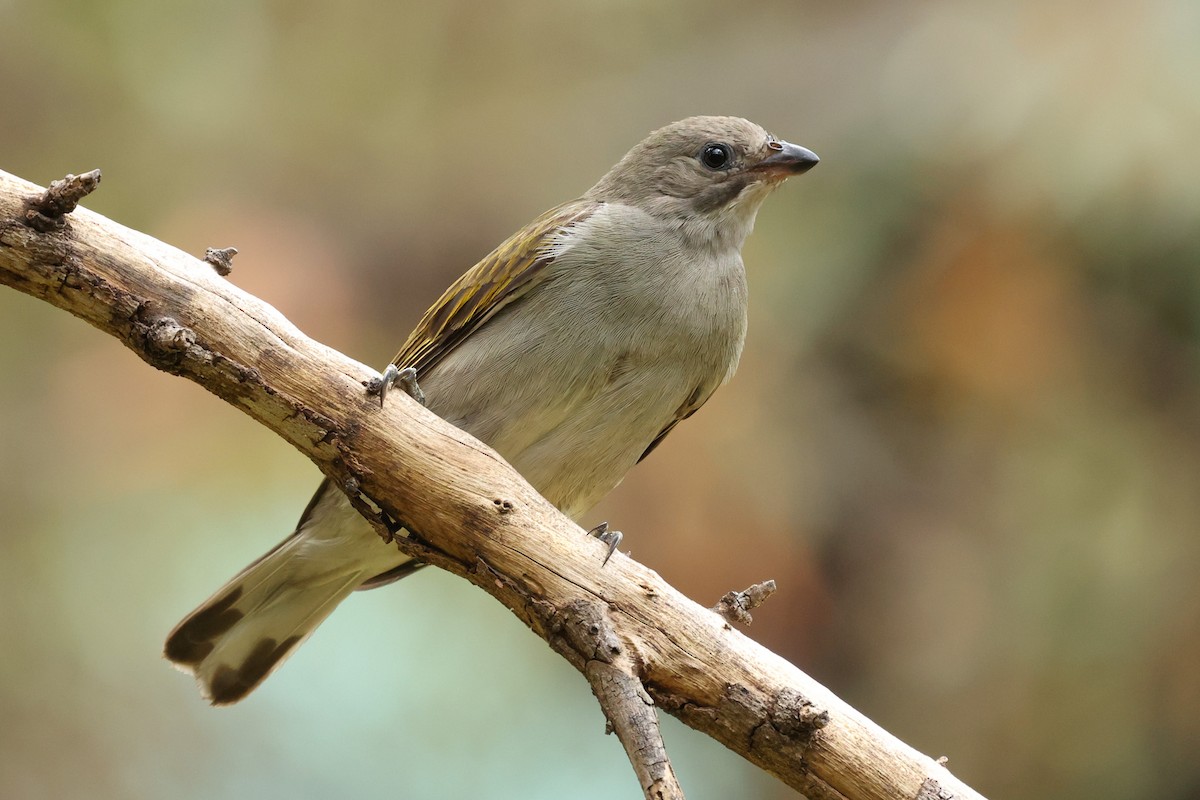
{"x": 716, "y": 155}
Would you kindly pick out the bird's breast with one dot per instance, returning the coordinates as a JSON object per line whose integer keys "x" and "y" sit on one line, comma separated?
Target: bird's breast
{"x": 574, "y": 380}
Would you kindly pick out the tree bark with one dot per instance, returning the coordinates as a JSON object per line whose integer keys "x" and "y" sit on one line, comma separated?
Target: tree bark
{"x": 469, "y": 512}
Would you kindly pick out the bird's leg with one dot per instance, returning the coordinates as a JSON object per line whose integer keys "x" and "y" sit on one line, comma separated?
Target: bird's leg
{"x": 610, "y": 538}
{"x": 405, "y": 378}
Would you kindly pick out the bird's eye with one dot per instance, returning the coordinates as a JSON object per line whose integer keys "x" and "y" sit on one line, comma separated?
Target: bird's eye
{"x": 716, "y": 155}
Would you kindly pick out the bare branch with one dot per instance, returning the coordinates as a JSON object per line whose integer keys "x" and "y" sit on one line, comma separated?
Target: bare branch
{"x": 470, "y": 513}
{"x": 588, "y": 640}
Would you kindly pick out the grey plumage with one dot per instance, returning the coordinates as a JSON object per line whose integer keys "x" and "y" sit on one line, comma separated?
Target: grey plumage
{"x": 572, "y": 350}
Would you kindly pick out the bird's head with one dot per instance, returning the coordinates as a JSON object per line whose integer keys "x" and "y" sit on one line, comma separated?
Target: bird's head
{"x": 708, "y": 175}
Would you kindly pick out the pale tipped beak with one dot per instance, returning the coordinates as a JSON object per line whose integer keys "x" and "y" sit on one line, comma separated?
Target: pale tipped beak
{"x": 787, "y": 159}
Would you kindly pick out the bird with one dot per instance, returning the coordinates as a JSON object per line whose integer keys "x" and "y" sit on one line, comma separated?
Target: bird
{"x": 572, "y": 349}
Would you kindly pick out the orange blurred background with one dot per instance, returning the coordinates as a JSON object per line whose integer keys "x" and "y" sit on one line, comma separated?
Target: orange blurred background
{"x": 964, "y": 439}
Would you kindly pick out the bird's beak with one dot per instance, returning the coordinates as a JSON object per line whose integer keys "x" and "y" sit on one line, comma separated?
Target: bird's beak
{"x": 787, "y": 159}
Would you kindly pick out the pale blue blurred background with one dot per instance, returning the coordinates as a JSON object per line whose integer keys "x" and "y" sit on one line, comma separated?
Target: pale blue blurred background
{"x": 965, "y": 438}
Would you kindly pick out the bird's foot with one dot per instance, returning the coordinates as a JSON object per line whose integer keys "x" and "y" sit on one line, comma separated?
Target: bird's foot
{"x": 405, "y": 378}
{"x": 610, "y": 538}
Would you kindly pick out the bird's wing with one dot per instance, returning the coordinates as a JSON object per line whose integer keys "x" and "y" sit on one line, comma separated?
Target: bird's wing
{"x": 501, "y": 277}
{"x": 697, "y": 399}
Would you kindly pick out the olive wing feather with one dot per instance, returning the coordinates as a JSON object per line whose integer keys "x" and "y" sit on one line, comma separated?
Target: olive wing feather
{"x": 500, "y": 278}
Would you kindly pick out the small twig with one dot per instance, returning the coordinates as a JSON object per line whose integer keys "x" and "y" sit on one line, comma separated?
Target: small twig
{"x": 46, "y": 212}
{"x": 611, "y": 670}
{"x": 736, "y": 606}
{"x": 221, "y": 258}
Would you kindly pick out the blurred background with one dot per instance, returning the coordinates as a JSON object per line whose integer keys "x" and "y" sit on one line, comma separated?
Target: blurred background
{"x": 964, "y": 439}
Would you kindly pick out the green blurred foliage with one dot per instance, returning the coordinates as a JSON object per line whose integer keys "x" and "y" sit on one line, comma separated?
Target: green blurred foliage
{"x": 965, "y": 437}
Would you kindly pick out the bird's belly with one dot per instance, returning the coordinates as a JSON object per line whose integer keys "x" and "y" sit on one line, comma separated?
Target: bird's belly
{"x": 572, "y": 426}
{"x": 579, "y": 460}
{"x": 574, "y": 436}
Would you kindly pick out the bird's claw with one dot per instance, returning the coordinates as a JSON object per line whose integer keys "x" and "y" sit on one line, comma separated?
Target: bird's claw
{"x": 610, "y": 538}
{"x": 405, "y": 378}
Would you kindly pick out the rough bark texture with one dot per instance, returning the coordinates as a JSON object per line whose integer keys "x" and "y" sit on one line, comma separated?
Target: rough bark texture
{"x": 472, "y": 514}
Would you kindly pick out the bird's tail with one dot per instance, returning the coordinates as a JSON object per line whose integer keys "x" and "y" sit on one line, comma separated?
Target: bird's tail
{"x": 236, "y": 638}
